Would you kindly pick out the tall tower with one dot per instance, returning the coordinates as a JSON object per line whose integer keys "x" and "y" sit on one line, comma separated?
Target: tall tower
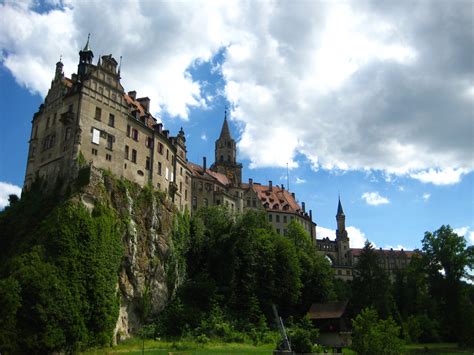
{"x": 85, "y": 60}
{"x": 342, "y": 239}
{"x": 226, "y": 156}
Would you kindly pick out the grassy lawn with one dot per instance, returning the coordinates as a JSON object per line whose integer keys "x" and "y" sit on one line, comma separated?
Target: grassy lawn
{"x": 134, "y": 346}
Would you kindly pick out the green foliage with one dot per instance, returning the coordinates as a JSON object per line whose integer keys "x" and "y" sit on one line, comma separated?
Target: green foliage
{"x": 303, "y": 336}
{"x": 81, "y": 161}
{"x": 371, "y": 335}
{"x": 61, "y": 273}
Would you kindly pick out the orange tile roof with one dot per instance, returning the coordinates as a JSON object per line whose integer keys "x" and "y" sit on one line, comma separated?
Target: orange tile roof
{"x": 197, "y": 170}
{"x": 135, "y": 105}
{"x": 277, "y": 198}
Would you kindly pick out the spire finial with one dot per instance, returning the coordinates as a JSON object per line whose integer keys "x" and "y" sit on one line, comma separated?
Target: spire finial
{"x": 340, "y": 211}
{"x": 120, "y": 65}
{"x": 86, "y": 48}
{"x": 225, "y": 112}
{"x": 60, "y": 58}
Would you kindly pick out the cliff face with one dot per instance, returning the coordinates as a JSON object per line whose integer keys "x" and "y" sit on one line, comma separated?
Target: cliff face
{"x": 86, "y": 263}
{"x": 149, "y": 272}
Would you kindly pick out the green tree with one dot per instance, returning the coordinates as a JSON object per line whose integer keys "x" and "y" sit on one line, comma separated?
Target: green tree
{"x": 371, "y": 335}
{"x": 371, "y": 285}
{"x": 448, "y": 260}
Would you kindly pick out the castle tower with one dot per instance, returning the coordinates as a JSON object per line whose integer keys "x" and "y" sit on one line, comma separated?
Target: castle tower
{"x": 342, "y": 239}
{"x": 226, "y": 156}
{"x": 85, "y": 60}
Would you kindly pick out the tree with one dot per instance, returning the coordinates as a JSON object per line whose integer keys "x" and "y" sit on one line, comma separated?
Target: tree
{"x": 448, "y": 260}
{"x": 371, "y": 335}
{"x": 371, "y": 285}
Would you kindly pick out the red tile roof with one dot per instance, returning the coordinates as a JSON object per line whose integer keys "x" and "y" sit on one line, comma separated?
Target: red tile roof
{"x": 386, "y": 252}
{"x": 197, "y": 170}
{"x": 278, "y": 199}
{"x": 135, "y": 105}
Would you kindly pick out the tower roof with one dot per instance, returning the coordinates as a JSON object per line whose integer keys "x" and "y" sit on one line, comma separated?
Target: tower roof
{"x": 86, "y": 47}
{"x": 340, "y": 211}
{"x": 225, "y": 132}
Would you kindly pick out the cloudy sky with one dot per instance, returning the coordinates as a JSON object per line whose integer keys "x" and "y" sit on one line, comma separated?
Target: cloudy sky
{"x": 370, "y": 100}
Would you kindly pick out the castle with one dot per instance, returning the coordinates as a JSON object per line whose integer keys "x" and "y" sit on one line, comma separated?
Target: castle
{"x": 91, "y": 116}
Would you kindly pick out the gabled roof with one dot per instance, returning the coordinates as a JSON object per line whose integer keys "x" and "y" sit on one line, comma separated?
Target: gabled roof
{"x": 197, "y": 170}
{"x": 327, "y": 310}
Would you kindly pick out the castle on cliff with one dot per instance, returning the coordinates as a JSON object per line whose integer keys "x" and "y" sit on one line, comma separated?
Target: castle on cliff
{"x": 91, "y": 116}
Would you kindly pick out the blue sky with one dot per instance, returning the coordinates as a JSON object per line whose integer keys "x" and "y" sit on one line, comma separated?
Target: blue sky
{"x": 372, "y": 101}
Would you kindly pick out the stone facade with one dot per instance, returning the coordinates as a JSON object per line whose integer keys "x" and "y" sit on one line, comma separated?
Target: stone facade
{"x": 90, "y": 116}
{"x": 343, "y": 258}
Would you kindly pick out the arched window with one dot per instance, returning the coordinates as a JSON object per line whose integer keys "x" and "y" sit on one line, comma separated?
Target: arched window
{"x": 329, "y": 259}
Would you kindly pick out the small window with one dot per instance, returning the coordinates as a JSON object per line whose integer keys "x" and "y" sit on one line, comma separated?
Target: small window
{"x": 167, "y": 173}
{"x": 110, "y": 141}
{"x": 111, "y": 120}
{"x": 167, "y": 154}
{"x": 134, "y": 156}
{"x": 127, "y": 150}
{"x": 98, "y": 113}
{"x": 248, "y": 202}
{"x": 94, "y": 151}
{"x": 180, "y": 186}
{"x": 285, "y": 219}
{"x": 68, "y": 134}
{"x": 270, "y": 218}
{"x": 147, "y": 163}
{"x": 185, "y": 194}
{"x": 278, "y": 230}
{"x": 194, "y": 203}
{"x": 159, "y": 168}
{"x": 108, "y": 157}
{"x": 206, "y": 202}
{"x": 160, "y": 148}
{"x": 277, "y": 217}
{"x": 149, "y": 142}
{"x": 128, "y": 130}
{"x": 135, "y": 134}
{"x": 254, "y": 203}
{"x": 54, "y": 118}
{"x": 47, "y": 122}
{"x": 181, "y": 171}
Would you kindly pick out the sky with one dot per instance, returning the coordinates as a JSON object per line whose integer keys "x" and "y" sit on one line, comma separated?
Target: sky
{"x": 372, "y": 101}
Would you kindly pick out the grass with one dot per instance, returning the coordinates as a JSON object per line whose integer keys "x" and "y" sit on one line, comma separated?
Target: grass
{"x": 183, "y": 347}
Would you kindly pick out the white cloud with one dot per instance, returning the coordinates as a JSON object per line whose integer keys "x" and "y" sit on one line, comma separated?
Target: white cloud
{"x": 299, "y": 181}
{"x": 426, "y": 196}
{"x": 7, "y": 189}
{"x": 299, "y": 74}
{"x": 446, "y": 176}
{"x": 357, "y": 238}
{"x": 465, "y": 232}
{"x": 204, "y": 137}
{"x": 374, "y": 198}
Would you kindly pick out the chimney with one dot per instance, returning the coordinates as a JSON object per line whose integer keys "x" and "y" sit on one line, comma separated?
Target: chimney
{"x": 204, "y": 165}
{"x": 311, "y": 215}
{"x": 160, "y": 127}
{"x": 270, "y": 185}
{"x": 132, "y": 94}
{"x": 283, "y": 187}
{"x": 303, "y": 206}
{"x": 250, "y": 182}
{"x": 145, "y": 102}
{"x": 293, "y": 195}
{"x": 166, "y": 133}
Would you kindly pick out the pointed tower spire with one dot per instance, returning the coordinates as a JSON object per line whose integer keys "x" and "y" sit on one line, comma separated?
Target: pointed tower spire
{"x": 86, "y": 47}
{"x": 340, "y": 211}
{"x": 225, "y": 132}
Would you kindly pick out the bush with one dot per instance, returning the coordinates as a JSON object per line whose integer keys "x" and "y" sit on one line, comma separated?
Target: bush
{"x": 371, "y": 335}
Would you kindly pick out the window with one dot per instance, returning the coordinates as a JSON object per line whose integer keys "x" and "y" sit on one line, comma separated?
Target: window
{"x": 128, "y": 130}
{"x": 94, "y": 151}
{"x": 206, "y": 202}
{"x": 180, "y": 186}
{"x": 47, "y": 122}
{"x": 248, "y": 202}
{"x": 110, "y": 141}
{"x": 70, "y": 108}
{"x": 127, "y": 150}
{"x": 111, "y": 120}
{"x": 108, "y": 157}
{"x": 195, "y": 202}
{"x": 134, "y": 156}
{"x": 167, "y": 154}
{"x": 185, "y": 194}
{"x": 98, "y": 113}
{"x": 147, "y": 163}
{"x": 278, "y": 230}
{"x": 254, "y": 203}
{"x": 285, "y": 219}
{"x": 160, "y": 148}
{"x": 167, "y": 173}
{"x": 172, "y": 176}
{"x": 54, "y": 118}
{"x": 277, "y": 217}
{"x": 186, "y": 180}
{"x": 270, "y": 218}
{"x": 135, "y": 134}
{"x": 149, "y": 142}
{"x": 95, "y": 136}
{"x": 181, "y": 171}
{"x": 68, "y": 134}
{"x": 159, "y": 168}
